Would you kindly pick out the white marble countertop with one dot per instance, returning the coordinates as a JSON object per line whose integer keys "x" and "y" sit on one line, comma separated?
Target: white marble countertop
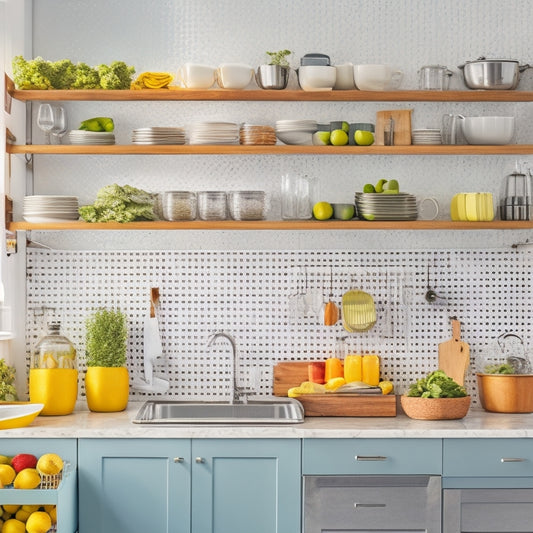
{"x": 85, "y": 424}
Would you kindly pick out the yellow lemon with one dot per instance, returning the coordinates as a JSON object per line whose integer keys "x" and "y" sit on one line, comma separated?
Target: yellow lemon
{"x": 22, "y": 515}
{"x": 7, "y": 474}
{"x": 322, "y": 210}
{"x": 30, "y": 508}
{"x": 50, "y": 464}
{"x": 52, "y": 511}
{"x": 11, "y": 508}
{"x": 338, "y": 138}
{"x": 28, "y": 478}
{"x": 13, "y": 526}
{"x": 6, "y": 515}
{"x": 38, "y": 522}
{"x": 5, "y": 459}
{"x": 386, "y": 387}
{"x": 334, "y": 383}
{"x": 363, "y": 138}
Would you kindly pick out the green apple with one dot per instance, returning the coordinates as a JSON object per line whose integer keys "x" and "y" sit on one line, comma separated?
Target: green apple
{"x": 345, "y": 126}
{"x": 343, "y": 211}
{"x": 338, "y": 138}
{"x": 321, "y": 138}
{"x": 363, "y": 138}
{"x": 369, "y": 188}
{"x": 379, "y": 185}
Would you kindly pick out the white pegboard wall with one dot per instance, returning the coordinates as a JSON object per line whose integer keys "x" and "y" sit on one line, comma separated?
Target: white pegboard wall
{"x": 247, "y": 294}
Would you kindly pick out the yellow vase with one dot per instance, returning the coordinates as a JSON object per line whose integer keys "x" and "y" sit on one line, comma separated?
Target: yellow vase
{"x": 107, "y": 388}
{"x": 56, "y": 388}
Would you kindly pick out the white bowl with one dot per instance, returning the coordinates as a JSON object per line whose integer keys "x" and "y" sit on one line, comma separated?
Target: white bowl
{"x": 234, "y": 75}
{"x": 317, "y": 77}
{"x": 295, "y": 137}
{"x": 377, "y": 77}
{"x": 488, "y": 130}
{"x": 196, "y": 76}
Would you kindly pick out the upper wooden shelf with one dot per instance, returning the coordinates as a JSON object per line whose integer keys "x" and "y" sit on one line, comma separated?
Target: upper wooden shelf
{"x": 277, "y": 225}
{"x": 240, "y": 149}
{"x": 288, "y": 95}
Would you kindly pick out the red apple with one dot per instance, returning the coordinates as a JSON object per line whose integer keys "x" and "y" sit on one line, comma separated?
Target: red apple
{"x": 23, "y": 460}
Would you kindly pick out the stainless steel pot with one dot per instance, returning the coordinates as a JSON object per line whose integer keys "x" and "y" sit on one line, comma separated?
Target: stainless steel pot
{"x": 272, "y": 76}
{"x": 485, "y": 73}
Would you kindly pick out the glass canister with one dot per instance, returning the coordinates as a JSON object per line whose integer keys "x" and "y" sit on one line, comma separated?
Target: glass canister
{"x": 54, "y": 373}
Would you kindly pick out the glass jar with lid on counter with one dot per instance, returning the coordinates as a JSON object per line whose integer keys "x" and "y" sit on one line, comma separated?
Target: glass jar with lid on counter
{"x": 54, "y": 373}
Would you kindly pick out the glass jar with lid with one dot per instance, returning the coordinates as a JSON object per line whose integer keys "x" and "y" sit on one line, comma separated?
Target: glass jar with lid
{"x": 53, "y": 373}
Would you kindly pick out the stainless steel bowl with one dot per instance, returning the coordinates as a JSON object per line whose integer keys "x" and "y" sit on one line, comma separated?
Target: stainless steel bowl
{"x": 272, "y": 76}
{"x": 500, "y": 74}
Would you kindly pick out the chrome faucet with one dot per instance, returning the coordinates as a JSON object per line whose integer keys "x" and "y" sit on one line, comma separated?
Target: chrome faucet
{"x": 236, "y": 392}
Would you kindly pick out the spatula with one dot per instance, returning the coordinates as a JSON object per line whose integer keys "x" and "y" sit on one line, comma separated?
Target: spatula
{"x": 454, "y": 354}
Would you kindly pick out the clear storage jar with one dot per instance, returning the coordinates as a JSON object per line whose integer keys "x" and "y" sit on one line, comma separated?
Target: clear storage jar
{"x": 246, "y": 205}
{"x": 179, "y": 205}
{"x": 53, "y": 373}
{"x": 212, "y": 205}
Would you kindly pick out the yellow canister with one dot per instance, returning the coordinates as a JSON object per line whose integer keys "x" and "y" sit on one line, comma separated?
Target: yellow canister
{"x": 53, "y": 379}
{"x": 371, "y": 369}
{"x": 353, "y": 368}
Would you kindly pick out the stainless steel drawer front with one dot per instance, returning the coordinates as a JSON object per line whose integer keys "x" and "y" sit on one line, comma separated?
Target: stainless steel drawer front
{"x": 372, "y": 503}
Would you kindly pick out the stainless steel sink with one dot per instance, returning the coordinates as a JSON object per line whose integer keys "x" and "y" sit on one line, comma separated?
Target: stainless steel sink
{"x": 276, "y": 411}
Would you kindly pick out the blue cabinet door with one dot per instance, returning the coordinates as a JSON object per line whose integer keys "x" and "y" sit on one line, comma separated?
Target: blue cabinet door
{"x": 245, "y": 485}
{"x": 134, "y": 485}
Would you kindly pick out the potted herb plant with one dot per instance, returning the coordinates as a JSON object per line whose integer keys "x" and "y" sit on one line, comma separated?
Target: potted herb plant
{"x": 274, "y": 74}
{"x": 107, "y": 378}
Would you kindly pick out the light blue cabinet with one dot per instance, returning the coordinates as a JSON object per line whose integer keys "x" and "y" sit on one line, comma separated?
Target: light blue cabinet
{"x": 246, "y": 485}
{"x": 134, "y": 485}
{"x": 184, "y": 486}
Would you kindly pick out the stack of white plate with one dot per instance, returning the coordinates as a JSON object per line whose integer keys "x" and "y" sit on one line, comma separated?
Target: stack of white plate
{"x": 378, "y": 206}
{"x": 158, "y": 135}
{"x": 91, "y": 137}
{"x": 426, "y": 136}
{"x": 48, "y": 208}
{"x": 214, "y": 133}
{"x": 296, "y": 131}
{"x": 251, "y": 134}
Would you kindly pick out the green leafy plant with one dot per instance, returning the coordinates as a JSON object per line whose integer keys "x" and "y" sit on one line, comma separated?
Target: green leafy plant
{"x": 503, "y": 368}
{"x": 279, "y": 58}
{"x": 8, "y": 392}
{"x": 436, "y": 385}
{"x": 106, "y": 338}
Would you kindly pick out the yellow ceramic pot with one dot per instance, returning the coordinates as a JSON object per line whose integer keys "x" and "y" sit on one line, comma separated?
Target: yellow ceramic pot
{"x": 107, "y": 388}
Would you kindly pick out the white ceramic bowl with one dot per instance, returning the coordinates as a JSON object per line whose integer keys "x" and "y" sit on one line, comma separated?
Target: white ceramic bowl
{"x": 377, "y": 77}
{"x": 317, "y": 77}
{"x": 488, "y": 130}
{"x": 234, "y": 75}
{"x": 196, "y": 76}
{"x": 295, "y": 137}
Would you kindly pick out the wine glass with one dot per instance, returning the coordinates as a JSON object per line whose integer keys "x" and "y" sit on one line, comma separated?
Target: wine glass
{"x": 45, "y": 120}
{"x": 60, "y": 122}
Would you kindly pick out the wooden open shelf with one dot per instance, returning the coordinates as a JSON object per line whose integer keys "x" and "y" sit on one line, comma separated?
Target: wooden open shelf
{"x": 240, "y": 149}
{"x": 286, "y": 95}
{"x": 278, "y": 225}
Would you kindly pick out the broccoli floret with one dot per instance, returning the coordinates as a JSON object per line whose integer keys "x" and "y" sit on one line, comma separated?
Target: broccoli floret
{"x": 32, "y": 74}
{"x": 86, "y": 77}
{"x": 62, "y": 74}
{"x": 117, "y": 75}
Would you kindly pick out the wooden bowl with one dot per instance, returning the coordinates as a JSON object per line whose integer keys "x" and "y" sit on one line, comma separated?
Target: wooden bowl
{"x": 506, "y": 393}
{"x": 435, "y": 408}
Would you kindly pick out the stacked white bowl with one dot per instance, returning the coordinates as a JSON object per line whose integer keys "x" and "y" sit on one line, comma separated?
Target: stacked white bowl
{"x": 296, "y": 131}
{"x": 48, "y": 208}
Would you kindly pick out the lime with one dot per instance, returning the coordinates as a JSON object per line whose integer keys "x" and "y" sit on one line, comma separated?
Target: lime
{"x": 379, "y": 185}
{"x": 322, "y": 210}
{"x": 369, "y": 188}
{"x": 363, "y": 138}
{"x": 391, "y": 185}
{"x": 338, "y": 138}
{"x": 345, "y": 126}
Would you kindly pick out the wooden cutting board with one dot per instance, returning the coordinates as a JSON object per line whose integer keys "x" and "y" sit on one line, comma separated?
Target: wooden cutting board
{"x": 402, "y": 126}
{"x": 291, "y": 374}
{"x": 454, "y": 355}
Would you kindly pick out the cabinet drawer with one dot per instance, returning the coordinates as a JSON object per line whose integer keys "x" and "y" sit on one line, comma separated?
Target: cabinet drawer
{"x": 372, "y": 456}
{"x": 488, "y": 457}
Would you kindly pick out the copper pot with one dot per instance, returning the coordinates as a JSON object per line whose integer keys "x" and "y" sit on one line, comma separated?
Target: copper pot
{"x": 506, "y": 393}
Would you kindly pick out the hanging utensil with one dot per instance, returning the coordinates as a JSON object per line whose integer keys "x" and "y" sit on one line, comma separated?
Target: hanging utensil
{"x": 515, "y": 353}
{"x": 454, "y": 354}
{"x": 330, "y": 313}
{"x": 431, "y": 296}
{"x": 358, "y": 311}
{"x": 152, "y": 340}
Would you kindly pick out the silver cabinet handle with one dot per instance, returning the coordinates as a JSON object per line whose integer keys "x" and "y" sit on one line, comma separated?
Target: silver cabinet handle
{"x": 370, "y": 458}
{"x": 200, "y": 460}
{"x": 357, "y": 504}
{"x": 179, "y": 459}
{"x": 512, "y": 460}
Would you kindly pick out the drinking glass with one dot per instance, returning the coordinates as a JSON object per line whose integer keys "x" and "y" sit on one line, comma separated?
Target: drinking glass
{"x": 45, "y": 120}
{"x": 60, "y": 122}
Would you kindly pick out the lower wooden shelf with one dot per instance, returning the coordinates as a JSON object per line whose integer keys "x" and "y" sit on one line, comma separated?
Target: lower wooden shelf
{"x": 277, "y": 225}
